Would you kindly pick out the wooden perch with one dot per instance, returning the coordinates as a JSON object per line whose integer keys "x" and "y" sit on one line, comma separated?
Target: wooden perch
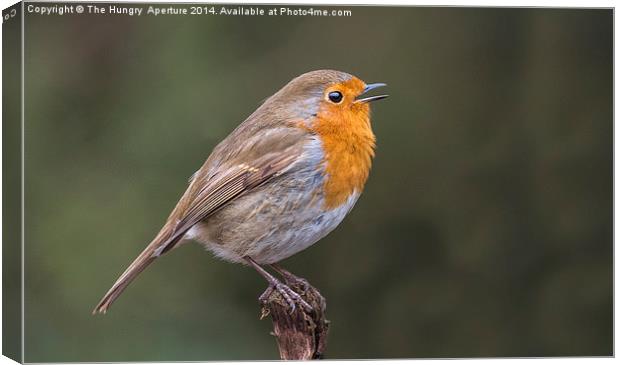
{"x": 300, "y": 335}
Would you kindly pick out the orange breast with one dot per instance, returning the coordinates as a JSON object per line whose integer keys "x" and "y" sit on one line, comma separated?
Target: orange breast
{"x": 348, "y": 143}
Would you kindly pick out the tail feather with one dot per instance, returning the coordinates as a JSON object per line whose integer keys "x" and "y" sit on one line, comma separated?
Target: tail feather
{"x": 123, "y": 281}
{"x": 143, "y": 260}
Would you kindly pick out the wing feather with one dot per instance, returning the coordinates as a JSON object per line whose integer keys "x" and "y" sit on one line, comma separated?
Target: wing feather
{"x": 237, "y": 180}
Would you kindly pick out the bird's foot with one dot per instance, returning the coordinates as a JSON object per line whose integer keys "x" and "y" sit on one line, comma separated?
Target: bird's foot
{"x": 291, "y": 279}
{"x": 289, "y": 295}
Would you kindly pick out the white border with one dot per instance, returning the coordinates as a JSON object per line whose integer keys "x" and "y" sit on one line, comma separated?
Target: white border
{"x": 480, "y": 3}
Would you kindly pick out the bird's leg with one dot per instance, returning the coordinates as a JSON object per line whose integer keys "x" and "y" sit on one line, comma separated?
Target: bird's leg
{"x": 290, "y": 278}
{"x": 274, "y": 284}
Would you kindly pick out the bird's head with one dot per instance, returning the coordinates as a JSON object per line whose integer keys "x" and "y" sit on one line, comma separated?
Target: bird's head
{"x": 334, "y": 96}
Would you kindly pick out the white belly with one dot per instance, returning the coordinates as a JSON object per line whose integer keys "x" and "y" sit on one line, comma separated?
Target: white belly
{"x": 276, "y": 243}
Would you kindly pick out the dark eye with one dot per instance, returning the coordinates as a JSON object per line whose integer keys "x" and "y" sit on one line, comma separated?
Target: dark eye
{"x": 335, "y": 96}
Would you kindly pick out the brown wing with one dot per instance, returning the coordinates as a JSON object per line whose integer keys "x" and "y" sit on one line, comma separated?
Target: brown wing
{"x": 214, "y": 194}
{"x": 208, "y": 192}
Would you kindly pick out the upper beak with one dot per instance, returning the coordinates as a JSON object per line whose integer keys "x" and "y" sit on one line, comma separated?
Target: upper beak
{"x": 371, "y": 98}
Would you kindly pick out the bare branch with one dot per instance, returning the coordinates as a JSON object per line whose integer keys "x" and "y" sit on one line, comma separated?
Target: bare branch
{"x": 299, "y": 335}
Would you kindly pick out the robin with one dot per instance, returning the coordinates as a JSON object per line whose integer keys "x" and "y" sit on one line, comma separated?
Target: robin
{"x": 281, "y": 181}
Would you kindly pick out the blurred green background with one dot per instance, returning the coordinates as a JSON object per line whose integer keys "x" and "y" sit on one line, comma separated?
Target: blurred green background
{"x": 485, "y": 228}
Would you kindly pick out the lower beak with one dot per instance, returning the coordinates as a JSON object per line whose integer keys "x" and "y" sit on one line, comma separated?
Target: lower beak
{"x": 371, "y": 98}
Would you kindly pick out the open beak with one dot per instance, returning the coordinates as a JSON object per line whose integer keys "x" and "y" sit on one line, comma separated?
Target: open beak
{"x": 371, "y": 98}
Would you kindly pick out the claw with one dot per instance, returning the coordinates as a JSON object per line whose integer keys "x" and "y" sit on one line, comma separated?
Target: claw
{"x": 288, "y": 294}
{"x": 291, "y": 279}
